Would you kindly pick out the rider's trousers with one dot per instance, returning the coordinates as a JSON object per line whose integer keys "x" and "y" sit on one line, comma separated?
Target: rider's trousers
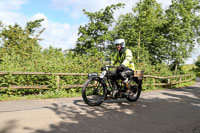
{"x": 124, "y": 75}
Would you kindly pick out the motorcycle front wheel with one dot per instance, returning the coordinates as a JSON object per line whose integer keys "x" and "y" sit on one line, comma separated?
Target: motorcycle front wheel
{"x": 93, "y": 92}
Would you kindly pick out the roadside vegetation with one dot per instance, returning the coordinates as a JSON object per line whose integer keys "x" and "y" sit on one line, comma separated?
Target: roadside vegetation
{"x": 160, "y": 39}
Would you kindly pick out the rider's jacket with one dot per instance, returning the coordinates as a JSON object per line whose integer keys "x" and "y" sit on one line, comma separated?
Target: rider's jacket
{"x": 124, "y": 57}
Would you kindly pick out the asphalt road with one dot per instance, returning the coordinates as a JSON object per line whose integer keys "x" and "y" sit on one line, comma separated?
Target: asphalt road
{"x": 162, "y": 111}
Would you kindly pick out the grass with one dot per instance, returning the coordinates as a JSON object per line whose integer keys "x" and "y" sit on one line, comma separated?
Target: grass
{"x": 150, "y": 88}
{"x": 46, "y": 95}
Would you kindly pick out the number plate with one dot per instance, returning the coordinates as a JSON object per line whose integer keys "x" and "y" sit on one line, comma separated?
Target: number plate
{"x": 92, "y": 75}
{"x": 103, "y": 74}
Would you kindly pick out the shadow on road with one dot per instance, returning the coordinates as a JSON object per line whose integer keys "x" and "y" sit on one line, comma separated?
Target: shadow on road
{"x": 178, "y": 111}
{"x": 10, "y": 125}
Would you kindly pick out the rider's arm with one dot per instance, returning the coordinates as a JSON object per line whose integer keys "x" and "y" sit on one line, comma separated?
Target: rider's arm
{"x": 114, "y": 60}
{"x": 128, "y": 58}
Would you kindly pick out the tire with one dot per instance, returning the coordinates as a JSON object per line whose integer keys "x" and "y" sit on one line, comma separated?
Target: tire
{"x": 94, "y": 95}
{"x": 136, "y": 88}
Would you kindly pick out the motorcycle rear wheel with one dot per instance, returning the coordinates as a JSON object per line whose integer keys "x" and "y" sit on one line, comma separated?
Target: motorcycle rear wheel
{"x": 136, "y": 88}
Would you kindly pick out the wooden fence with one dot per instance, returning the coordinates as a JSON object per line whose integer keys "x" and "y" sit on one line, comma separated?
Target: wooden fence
{"x": 171, "y": 80}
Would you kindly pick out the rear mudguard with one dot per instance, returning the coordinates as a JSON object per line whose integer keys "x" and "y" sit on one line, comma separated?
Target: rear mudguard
{"x": 138, "y": 80}
{"x": 140, "y": 85}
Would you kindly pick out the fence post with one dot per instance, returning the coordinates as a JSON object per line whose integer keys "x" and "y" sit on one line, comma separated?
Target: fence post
{"x": 187, "y": 77}
{"x": 154, "y": 82}
{"x": 168, "y": 81}
{"x": 57, "y": 82}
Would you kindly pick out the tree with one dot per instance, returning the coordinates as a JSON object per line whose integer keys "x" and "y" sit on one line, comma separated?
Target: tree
{"x": 21, "y": 41}
{"x": 96, "y": 31}
{"x": 197, "y": 63}
{"x": 143, "y": 29}
{"x": 197, "y": 69}
{"x": 168, "y": 37}
{"x": 165, "y": 37}
{"x": 182, "y": 29}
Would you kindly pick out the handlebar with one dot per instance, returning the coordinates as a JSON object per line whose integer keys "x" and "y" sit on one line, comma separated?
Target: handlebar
{"x": 106, "y": 67}
{"x": 112, "y": 66}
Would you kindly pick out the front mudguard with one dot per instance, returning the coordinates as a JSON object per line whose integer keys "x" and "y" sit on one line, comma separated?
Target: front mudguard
{"x": 99, "y": 79}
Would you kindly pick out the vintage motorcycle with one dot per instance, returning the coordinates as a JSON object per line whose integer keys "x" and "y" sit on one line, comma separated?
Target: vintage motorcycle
{"x": 98, "y": 88}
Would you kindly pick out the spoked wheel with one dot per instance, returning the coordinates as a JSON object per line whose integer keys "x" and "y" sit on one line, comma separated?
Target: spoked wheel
{"x": 93, "y": 92}
{"x": 136, "y": 87}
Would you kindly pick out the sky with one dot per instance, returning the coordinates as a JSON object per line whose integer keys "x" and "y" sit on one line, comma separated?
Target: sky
{"x": 62, "y": 18}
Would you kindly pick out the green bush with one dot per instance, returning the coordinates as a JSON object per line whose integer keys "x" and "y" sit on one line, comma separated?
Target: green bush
{"x": 56, "y": 61}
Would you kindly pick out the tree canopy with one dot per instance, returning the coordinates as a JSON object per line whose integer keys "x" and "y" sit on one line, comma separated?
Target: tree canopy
{"x": 97, "y": 30}
{"x": 155, "y": 36}
{"x": 166, "y": 35}
{"x": 21, "y": 41}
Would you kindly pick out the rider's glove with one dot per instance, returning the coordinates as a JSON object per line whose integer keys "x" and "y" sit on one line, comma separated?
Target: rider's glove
{"x": 103, "y": 68}
{"x": 121, "y": 67}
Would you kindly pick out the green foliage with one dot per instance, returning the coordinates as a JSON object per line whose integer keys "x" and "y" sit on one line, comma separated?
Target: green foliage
{"x": 19, "y": 41}
{"x": 182, "y": 29}
{"x": 143, "y": 28}
{"x": 187, "y": 69}
{"x": 96, "y": 31}
{"x": 156, "y": 38}
{"x": 168, "y": 37}
{"x": 197, "y": 69}
{"x": 197, "y": 63}
{"x": 6, "y": 95}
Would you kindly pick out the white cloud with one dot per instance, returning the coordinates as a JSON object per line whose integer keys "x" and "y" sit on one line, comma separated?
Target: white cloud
{"x": 8, "y": 14}
{"x": 40, "y": 16}
{"x": 57, "y": 35}
{"x": 164, "y": 3}
{"x": 75, "y": 7}
{"x": 11, "y": 5}
{"x": 194, "y": 55}
{"x": 10, "y": 18}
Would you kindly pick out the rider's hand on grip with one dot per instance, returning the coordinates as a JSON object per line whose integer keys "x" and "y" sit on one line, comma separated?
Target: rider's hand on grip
{"x": 120, "y": 68}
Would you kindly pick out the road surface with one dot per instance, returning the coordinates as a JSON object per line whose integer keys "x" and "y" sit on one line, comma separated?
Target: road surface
{"x": 160, "y": 111}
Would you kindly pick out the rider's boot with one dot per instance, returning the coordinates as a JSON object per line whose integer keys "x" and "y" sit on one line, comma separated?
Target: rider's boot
{"x": 128, "y": 86}
{"x": 114, "y": 93}
{"x": 108, "y": 92}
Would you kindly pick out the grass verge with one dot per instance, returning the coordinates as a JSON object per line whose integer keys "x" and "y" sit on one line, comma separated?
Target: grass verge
{"x": 45, "y": 95}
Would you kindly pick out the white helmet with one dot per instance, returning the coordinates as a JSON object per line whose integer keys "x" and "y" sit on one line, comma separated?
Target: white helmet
{"x": 120, "y": 41}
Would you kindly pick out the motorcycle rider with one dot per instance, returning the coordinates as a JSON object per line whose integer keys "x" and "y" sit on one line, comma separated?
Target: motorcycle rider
{"x": 122, "y": 59}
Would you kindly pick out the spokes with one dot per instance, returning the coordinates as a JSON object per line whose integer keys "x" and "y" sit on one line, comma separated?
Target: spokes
{"x": 94, "y": 91}
{"x": 133, "y": 88}
{"x": 136, "y": 90}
